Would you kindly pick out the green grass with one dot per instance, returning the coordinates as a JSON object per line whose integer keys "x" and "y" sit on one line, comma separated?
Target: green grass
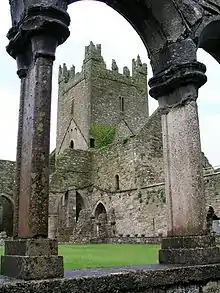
{"x": 107, "y": 255}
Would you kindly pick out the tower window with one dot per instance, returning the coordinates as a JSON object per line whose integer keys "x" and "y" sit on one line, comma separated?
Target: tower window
{"x": 92, "y": 142}
{"x": 72, "y": 107}
{"x": 122, "y": 104}
{"x": 116, "y": 182}
{"x": 71, "y": 144}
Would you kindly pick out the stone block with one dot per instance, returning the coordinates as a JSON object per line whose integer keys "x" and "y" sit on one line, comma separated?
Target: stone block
{"x": 32, "y": 267}
{"x": 31, "y": 247}
{"x": 32, "y": 259}
{"x": 190, "y": 256}
{"x": 188, "y": 242}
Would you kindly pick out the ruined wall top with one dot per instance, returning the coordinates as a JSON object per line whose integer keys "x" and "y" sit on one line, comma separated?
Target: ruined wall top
{"x": 93, "y": 53}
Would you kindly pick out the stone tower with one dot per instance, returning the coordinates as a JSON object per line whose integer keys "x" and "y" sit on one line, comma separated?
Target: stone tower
{"x": 97, "y": 94}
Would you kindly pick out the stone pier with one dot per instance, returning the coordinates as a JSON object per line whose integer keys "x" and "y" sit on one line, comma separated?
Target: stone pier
{"x": 37, "y": 31}
{"x": 187, "y": 240}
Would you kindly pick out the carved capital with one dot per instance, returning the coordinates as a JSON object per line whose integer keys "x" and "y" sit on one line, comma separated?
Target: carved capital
{"x": 38, "y": 20}
{"x": 178, "y": 84}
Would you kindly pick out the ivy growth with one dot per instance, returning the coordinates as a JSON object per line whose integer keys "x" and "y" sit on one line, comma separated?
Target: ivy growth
{"x": 103, "y": 134}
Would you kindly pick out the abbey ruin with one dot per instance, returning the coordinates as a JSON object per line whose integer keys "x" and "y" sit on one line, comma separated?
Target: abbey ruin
{"x": 106, "y": 174}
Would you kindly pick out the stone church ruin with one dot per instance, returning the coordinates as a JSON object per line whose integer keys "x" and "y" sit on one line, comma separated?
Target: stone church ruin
{"x": 109, "y": 189}
{"x": 172, "y": 32}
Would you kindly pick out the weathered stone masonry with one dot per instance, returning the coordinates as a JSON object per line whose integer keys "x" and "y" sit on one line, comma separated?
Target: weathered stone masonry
{"x": 172, "y": 32}
{"x": 97, "y": 94}
{"x": 83, "y": 177}
{"x": 126, "y": 177}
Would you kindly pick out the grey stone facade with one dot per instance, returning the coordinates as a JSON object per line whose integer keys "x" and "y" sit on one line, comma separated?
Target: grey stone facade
{"x": 125, "y": 177}
{"x": 97, "y": 94}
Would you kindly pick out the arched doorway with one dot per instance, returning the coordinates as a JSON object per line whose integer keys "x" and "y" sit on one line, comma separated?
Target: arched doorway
{"x": 79, "y": 205}
{"x": 6, "y": 215}
{"x": 100, "y": 209}
{"x": 101, "y": 222}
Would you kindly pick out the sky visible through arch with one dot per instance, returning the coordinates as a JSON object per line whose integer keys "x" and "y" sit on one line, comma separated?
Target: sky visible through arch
{"x": 94, "y": 21}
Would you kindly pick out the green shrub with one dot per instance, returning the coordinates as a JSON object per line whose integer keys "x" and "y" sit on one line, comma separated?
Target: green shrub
{"x": 103, "y": 134}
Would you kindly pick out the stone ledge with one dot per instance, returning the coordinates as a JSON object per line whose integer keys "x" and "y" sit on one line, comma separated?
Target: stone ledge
{"x": 127, "y": 279}
{"x": 190, "y": 256}
{"x": 188, "y": 242}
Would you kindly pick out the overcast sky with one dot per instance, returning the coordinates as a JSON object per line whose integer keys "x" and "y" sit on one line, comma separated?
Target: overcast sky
{"x": 94, "y": 21}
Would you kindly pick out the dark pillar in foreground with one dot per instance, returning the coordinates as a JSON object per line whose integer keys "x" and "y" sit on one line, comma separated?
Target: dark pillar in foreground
{"x": 177, "y": 90}
{"x": 36, "y": 33}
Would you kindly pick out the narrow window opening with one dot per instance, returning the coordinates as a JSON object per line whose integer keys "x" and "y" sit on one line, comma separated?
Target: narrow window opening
{"x": 71, "y": 144}
{"x": 92, "y": 142}
{"x": 116, "y": 182}
{"x": 122, "y": 104}
{"x": 72, "y": 107}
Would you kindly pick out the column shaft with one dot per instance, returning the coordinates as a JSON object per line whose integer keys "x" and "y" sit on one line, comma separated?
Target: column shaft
{"x": 183, "y": 170}
{"x": 18, "y": 158}
{"x": 34, "y": 162}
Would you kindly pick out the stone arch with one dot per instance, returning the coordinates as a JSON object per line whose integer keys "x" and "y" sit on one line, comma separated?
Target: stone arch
{"x": 100, "y": 209}
{"x": 208, "y": 37}
{"x": 6, "y": 213}
{"x": 9, "y": 197}
{"x": 101, "y": 220}
{"x": 79, "y": 204}
{"x": 153, "y": 23}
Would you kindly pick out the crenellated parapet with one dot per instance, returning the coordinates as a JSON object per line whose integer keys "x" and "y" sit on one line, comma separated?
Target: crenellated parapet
{"x": 93, "y": 52}
{"x": 138, "y": 68}
{"x": 66, "y": 75}
{"x": 94, "y": 64}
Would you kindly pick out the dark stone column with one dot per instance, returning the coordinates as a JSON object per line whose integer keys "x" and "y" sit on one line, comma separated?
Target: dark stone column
{"x": 37, "y": 31}
{"x": 176, "y": 89}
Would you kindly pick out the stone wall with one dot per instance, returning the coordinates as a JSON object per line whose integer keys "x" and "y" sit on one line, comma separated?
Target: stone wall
{"x": 73, "y": 112}
{"x": 139, "y": 279}
{"x": 127, "y": 177}
{"x": 73, "y": 168}
{"x": 7, "y": 169}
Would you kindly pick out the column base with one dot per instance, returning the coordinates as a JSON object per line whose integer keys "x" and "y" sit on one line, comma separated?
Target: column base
{"x": 189, "y": 250}
{"x": 32, "y": 259}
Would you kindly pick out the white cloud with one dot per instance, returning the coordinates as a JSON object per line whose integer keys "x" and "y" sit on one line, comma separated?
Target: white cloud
{"x": 95, "y": 21}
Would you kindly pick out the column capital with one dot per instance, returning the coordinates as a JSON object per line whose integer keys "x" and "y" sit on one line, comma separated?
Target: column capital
{"x": 165, "y": 84}
{"x": 38, "y": 20}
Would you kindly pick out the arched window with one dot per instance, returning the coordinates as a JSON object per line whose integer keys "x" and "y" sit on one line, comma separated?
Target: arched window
{"x": 71, "y": 144}
{"x": 116, "y": 182}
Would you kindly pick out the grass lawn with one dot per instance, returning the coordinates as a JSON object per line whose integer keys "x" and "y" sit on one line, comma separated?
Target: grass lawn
{"x": 107, "y": 255}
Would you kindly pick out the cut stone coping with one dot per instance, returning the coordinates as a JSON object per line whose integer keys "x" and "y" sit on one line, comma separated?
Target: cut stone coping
{"x": 115, "y": 279}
